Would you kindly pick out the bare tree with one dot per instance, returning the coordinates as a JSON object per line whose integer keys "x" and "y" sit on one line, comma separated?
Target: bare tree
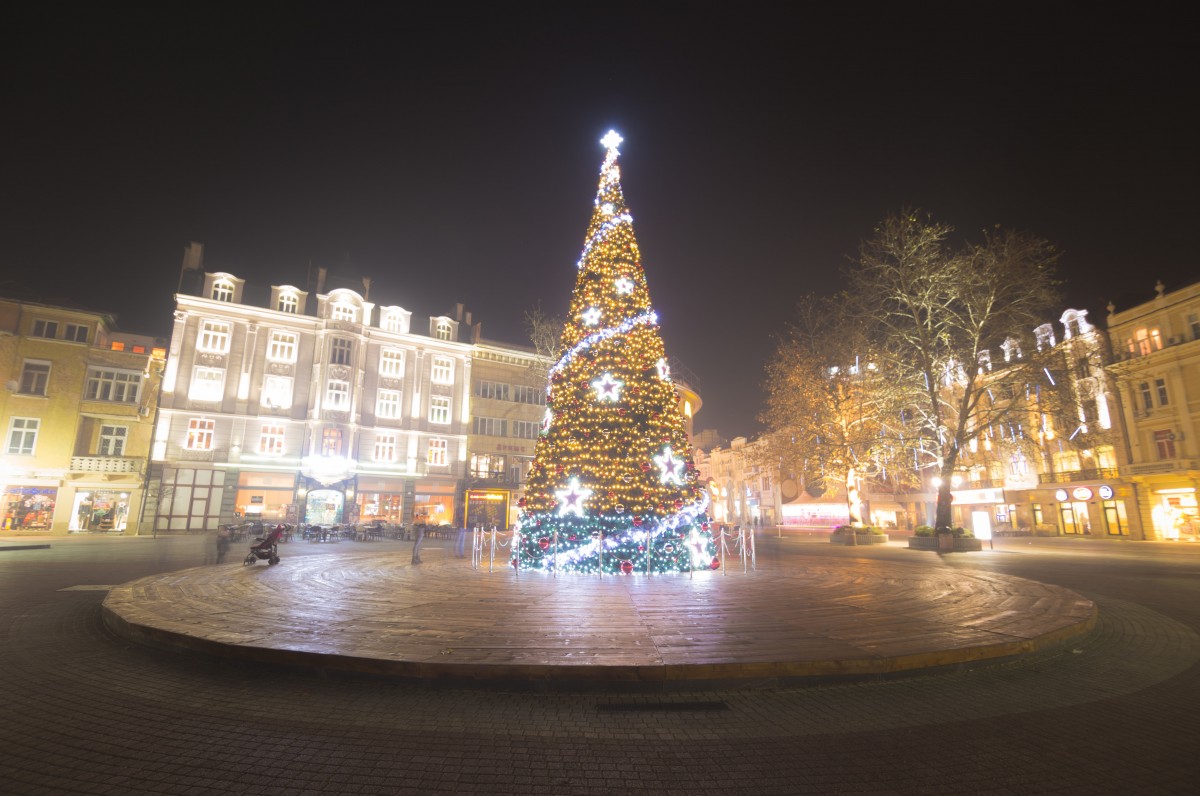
{"x": 545, "y": 332}
{"x": 939, "y": 317}
{"x": 829, "y": 414}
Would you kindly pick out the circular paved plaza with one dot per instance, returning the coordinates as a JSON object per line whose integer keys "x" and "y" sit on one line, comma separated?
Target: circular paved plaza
{"x": 818, "y": 617}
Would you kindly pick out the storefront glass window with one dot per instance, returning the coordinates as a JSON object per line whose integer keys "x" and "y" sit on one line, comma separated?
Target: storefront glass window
{"x": 28, "y": 508}
{"x": 99, "y": 511}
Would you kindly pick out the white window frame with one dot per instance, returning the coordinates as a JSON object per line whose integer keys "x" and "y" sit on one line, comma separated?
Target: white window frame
{"x": 222, "y": 290}
{"x": 208, "y": 384}
{"x": 112, "y": 440}
{"x": 110, "y": 384}
{"x": 439, "y": 452}
{"x": 271, "y": 439}
{"x": 439, "y": 409}
{"x": 443, "y": 330}
{"x": 22, "y": 436}
{"x": 393, "y": 322}
{"x": 525, "y": 429}
{"x": 341, "y": 311}
{"x": 387, "y": 404}
{"x": 277, "y": 392}
{"x": 391, "y": 363}
{"x": 45, "y": 328}
{"x": 289, "y": 303}
{"x": 442, "y": 370}
{"x": 35, "y": 377}
{"x": 341, "y": 351}
{"x": 200, "y": 433}
{"x": 76, "y": 333}
{"x": 337, "y": 394}
{"x": 213, "y": 337}
{"x": 283, "y": 346}
{"x": 386, "y": 448}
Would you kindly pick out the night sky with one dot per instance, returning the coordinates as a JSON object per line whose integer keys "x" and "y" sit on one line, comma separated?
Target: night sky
{"x": 452, "y": 155}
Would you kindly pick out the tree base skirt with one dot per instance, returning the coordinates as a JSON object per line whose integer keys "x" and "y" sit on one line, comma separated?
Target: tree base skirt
{"x": 858, "y": 538}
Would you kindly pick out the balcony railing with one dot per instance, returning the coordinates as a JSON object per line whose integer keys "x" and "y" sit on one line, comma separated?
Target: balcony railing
{"x": 105, "y": 464}
{"x": 1068, "y": 476}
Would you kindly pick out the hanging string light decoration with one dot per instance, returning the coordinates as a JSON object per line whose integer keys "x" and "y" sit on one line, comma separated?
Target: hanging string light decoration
{"x": 613, "y": 483}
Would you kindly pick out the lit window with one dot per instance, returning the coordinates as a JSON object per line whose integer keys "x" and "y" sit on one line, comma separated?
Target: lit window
{"x": 76, "y": 334}
{"x": 393, "y": 322}
{"x": 112, "y": 440}
{"x": 387, "y": 404}
{"x": 282, "y": 347}
{"x": 343, "y": 312}
{"x": 1160, "y": 386}
{"x": 200, "y": 434}
{"x": 331, "y": 441}
{"x": 214, "y": 337}
{"x": 270, "y": 441}
{"x": 277, "y": 392}
{"x": 341, "y": 351}
{"x": 112, "y": 385}
{"x": 443, "y": 330}
{"x": 488, "y": 466}
{"x": 22, "y": 436}
{"x": 208, "y": 384}
{"x": 385, "y": 447}
{"x": 439, "y": 409}
{"x": 443, "y": 371}
{"x": 438, "y": 449}
{"x": 337, "y": 394}
{"x": 288, "y": 302}
{"x": 391, "y": 363}
{"x": 222, "y": 291}
{"x": 34, "y": 376}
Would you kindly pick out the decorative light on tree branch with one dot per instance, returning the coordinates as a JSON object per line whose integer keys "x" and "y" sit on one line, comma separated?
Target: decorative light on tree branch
{"x": 612, "y": 482}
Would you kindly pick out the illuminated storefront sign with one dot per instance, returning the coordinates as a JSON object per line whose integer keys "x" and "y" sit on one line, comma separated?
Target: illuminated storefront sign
{"x": 1081, "y": 493}
{"x": 1105, "y": 492}
{"x": 975, "y": 497}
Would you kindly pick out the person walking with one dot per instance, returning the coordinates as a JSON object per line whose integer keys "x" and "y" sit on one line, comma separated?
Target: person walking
{"x": 222, "y": 544}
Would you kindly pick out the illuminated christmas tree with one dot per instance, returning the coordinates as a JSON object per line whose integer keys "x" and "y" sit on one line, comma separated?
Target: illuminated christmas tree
{"x": 613, "y": 485}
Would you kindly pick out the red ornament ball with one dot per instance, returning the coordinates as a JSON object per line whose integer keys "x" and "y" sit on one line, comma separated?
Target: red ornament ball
{"x": 627, "y": 567}
{"x": 716, "y": 563}
{"x": 637, "y": 522}
{"x": 543, "y": 542}
{"x": 668, "y": 548}
{"x": 571, "y": 537}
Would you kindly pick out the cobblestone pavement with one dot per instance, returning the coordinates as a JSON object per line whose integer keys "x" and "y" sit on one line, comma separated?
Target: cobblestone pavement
{"x": 82, "y": 711}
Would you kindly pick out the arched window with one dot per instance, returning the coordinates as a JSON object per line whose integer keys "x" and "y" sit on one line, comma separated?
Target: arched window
{"x": 443, "y": 330}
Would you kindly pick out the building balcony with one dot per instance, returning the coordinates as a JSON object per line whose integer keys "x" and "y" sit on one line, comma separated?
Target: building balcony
{"x": 106, "y": 464}
{"x": 1163, "y": 467}
{"x": 1070, "y": 476}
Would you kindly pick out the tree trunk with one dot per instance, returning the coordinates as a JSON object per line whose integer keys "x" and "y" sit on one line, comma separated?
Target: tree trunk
{"x": 853, "y": 499}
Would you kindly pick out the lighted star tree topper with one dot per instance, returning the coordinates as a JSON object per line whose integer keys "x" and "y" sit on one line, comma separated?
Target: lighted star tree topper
{"x": 613, "y": 485}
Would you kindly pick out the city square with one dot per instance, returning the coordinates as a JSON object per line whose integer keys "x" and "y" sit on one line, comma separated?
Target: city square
{"x": 664, "y": 399}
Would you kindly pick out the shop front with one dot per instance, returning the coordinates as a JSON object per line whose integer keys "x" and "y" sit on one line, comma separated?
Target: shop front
{"x": 99, "y": 511}
{"x": 268, "y": 497}
{"x": 28, "y": 508}
{"x": 981, "y": 511}
{"x": 1173, "y": 511}
{"x": 486, "y": 508}
{"x": 1097, "y": 510}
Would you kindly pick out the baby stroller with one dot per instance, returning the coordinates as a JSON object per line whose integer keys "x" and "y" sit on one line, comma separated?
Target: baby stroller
{"x": 266, "y": 548}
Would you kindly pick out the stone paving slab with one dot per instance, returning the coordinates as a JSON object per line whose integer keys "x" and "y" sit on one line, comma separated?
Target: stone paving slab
{"x": 818, "y": 618}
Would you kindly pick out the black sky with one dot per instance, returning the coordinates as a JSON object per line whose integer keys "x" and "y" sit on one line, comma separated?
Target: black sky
{"x": 452, "y": 154}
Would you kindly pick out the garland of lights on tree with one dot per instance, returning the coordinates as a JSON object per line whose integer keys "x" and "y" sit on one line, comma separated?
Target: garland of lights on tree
{"x": 613, "y": 487}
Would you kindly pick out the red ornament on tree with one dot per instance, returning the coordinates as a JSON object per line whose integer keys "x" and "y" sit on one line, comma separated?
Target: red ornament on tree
{"x": 543, "y": 542}
{"x": 627, "y": 567}
{"x": 716, "y": 563}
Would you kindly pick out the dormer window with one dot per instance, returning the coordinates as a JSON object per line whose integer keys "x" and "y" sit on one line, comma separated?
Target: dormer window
{"x": 985, "y": 361}
{"x": 222, "y": 290}
{"x": 1011, "y": 348}
{"x": 443, "y": 330}
{"x": 1045, "y": 336}
{"x": 393, "y": 322}
{"x": 289, "y": 303}
{"x": 343, "y": 312}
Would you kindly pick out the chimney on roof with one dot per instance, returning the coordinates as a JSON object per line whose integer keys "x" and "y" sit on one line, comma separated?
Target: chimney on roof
{"x": 366, "y": 280}
{"x": 322, "y": 272}
{"x": 193, "y": 256}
